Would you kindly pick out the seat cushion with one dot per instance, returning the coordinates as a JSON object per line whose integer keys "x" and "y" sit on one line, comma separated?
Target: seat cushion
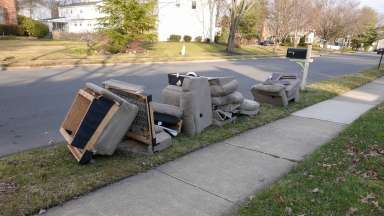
{"x": 167, "y": 109}
{"x": 268, "y": 88}
{"x": 234, "y": 98}
{"x": 224, "y": 89}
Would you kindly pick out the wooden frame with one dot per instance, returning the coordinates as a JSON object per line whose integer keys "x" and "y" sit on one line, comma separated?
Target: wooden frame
{"x": 144, "y": 117}
{"x": 74, "y": 119}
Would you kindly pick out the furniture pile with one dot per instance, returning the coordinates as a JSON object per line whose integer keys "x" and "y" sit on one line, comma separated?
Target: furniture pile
{"x": 227, "y": 102}
{"x": 121, "y": 115}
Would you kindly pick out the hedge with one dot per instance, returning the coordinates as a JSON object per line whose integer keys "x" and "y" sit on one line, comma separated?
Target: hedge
{"x": 187, "y": 38}
{"x": 11, "y": 30}
{"x": 175, "y": 38}
{"x": 198, "y": 39}
{"x": 32, "y": 27}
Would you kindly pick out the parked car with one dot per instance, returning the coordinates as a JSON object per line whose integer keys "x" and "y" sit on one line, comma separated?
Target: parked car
{"x": 266, "y": 43}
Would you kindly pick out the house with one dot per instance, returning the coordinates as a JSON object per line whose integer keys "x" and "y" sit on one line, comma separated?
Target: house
{"x": 186, "y": 17}
{"x": 35, "y": 10}
{"x": 8, "y": 12}
{"x": 181, "y": 17}
{"x": 79, "y": 16}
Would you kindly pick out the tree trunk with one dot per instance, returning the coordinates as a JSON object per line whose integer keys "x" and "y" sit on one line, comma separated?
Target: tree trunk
{"x": 235, "y": 20}
{"x": 295, "y": 42}
{"x": 211, "y": 23}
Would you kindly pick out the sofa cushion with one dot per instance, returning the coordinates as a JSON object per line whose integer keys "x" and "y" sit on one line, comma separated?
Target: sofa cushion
{"x": 224, "y": 89}
{"x": 167, "y": 109}
{"x": 268, "y": 88}
{"x": 234, "y": 98}
{"x": 249, "y": 105}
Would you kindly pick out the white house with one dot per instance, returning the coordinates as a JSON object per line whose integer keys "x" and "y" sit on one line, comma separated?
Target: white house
{"x": 77, "y": 16}
{"x": 35, "y": 10}
{"x": 181, "y": 17}
{"x": 186, "y": 17}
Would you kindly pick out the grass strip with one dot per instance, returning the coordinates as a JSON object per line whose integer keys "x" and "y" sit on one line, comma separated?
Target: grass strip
{"x": 36, "y": 53}
{"x": 343, "y": 177}
{"x": 45, "y": 177}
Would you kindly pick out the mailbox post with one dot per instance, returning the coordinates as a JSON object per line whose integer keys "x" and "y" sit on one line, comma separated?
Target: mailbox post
{"x": 303, "y": 58}
{"x": 380, "y": 51}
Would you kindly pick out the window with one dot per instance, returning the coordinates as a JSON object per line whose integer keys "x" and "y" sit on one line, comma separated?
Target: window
{"x": 177, "y": 3}
{"x": 80, "y": 24}
{"x": 81, "y": 11}
{"x": 193, "y": 4}
{"x": 75, "y": 24}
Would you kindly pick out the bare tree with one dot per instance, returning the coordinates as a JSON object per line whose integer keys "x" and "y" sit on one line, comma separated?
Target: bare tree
{"x": 281, "y": 19}
{"x": 302, "y": 12}
{"x": 237, "y": 10}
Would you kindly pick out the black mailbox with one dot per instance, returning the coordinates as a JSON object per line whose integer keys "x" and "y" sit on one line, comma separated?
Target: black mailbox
{"x": 380, "y": 51}
{"x": 297, "y": 53}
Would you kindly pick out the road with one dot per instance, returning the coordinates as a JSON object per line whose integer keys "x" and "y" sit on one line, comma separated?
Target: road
{"x": 34, "y": 101}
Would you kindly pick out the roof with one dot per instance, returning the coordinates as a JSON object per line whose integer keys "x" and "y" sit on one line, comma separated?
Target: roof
{"x": 65, "y": 20}
{"x": 79, "y": 2}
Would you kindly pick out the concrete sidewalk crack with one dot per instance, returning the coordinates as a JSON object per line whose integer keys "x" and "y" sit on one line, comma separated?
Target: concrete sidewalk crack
{"x": 324, "y": 120}
{"x": 261, "y": 152}
{"x": 197, "y": 187}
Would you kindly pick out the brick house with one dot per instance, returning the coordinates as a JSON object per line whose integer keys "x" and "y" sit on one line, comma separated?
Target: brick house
{"x": 8, "y": 13}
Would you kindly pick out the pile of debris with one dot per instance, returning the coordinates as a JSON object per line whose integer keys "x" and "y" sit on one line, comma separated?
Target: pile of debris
{"x": 122, "y": 115}
{"x": 227, "y": 102}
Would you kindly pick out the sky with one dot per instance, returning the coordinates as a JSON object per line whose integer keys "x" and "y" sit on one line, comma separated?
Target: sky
{"x": 376, "y": 4}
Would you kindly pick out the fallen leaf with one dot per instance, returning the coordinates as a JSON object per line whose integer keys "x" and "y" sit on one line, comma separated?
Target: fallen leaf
{"x": 288, "y": 210}
{"x": 376, "y": 204}
{"x": 316, "y": 190}
{"x": 351, "y": 211}
{"x": 369, "y": 198}
{"x": 370, "y": 174}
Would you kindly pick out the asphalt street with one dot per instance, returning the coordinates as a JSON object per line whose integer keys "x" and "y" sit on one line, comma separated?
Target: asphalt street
{"x": 33, "y": 102}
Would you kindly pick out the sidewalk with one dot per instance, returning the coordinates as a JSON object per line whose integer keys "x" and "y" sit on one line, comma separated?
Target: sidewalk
{"x": 216, "y": 179}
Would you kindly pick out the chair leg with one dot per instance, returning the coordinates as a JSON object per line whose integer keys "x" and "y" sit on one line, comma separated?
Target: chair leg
{"x": 297, "y": 95}
{"x": 284, "y": 99}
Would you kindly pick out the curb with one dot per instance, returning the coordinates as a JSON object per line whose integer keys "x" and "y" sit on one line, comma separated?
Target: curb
{"x": 4, "y": 67}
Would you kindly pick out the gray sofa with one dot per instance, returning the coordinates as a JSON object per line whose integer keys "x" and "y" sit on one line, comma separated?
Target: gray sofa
{"x": 278, "y": 91}
{"x": 192, "y": 96}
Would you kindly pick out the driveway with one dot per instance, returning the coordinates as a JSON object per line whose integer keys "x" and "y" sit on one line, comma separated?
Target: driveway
{"x": 33, "y": 102}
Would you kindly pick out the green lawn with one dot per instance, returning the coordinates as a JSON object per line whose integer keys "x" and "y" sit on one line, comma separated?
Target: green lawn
{"x": 44, "y": 177}
{"x": 46, "y": 52}
{"x": 343, "y": 177}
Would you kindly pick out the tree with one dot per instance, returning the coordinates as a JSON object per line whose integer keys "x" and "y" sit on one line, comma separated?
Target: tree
{"x": 365, "y": 31}
{"x": 327, "y": 23}
{"x": 252, "y": 23}
{"x": 237, "y": 10}
{"x": 128, "y": 20}
{"x": 280, "y": 19}
{"x": 302, "y": 13}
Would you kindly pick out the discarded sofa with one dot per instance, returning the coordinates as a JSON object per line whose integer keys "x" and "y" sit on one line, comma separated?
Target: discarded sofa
{"x": 96, "y": 122}
{"x": 143, "y": 136}
{"x": 191, "y": 94}
{"x": 227, "y": 102}
{"x": 278, "y": 90}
